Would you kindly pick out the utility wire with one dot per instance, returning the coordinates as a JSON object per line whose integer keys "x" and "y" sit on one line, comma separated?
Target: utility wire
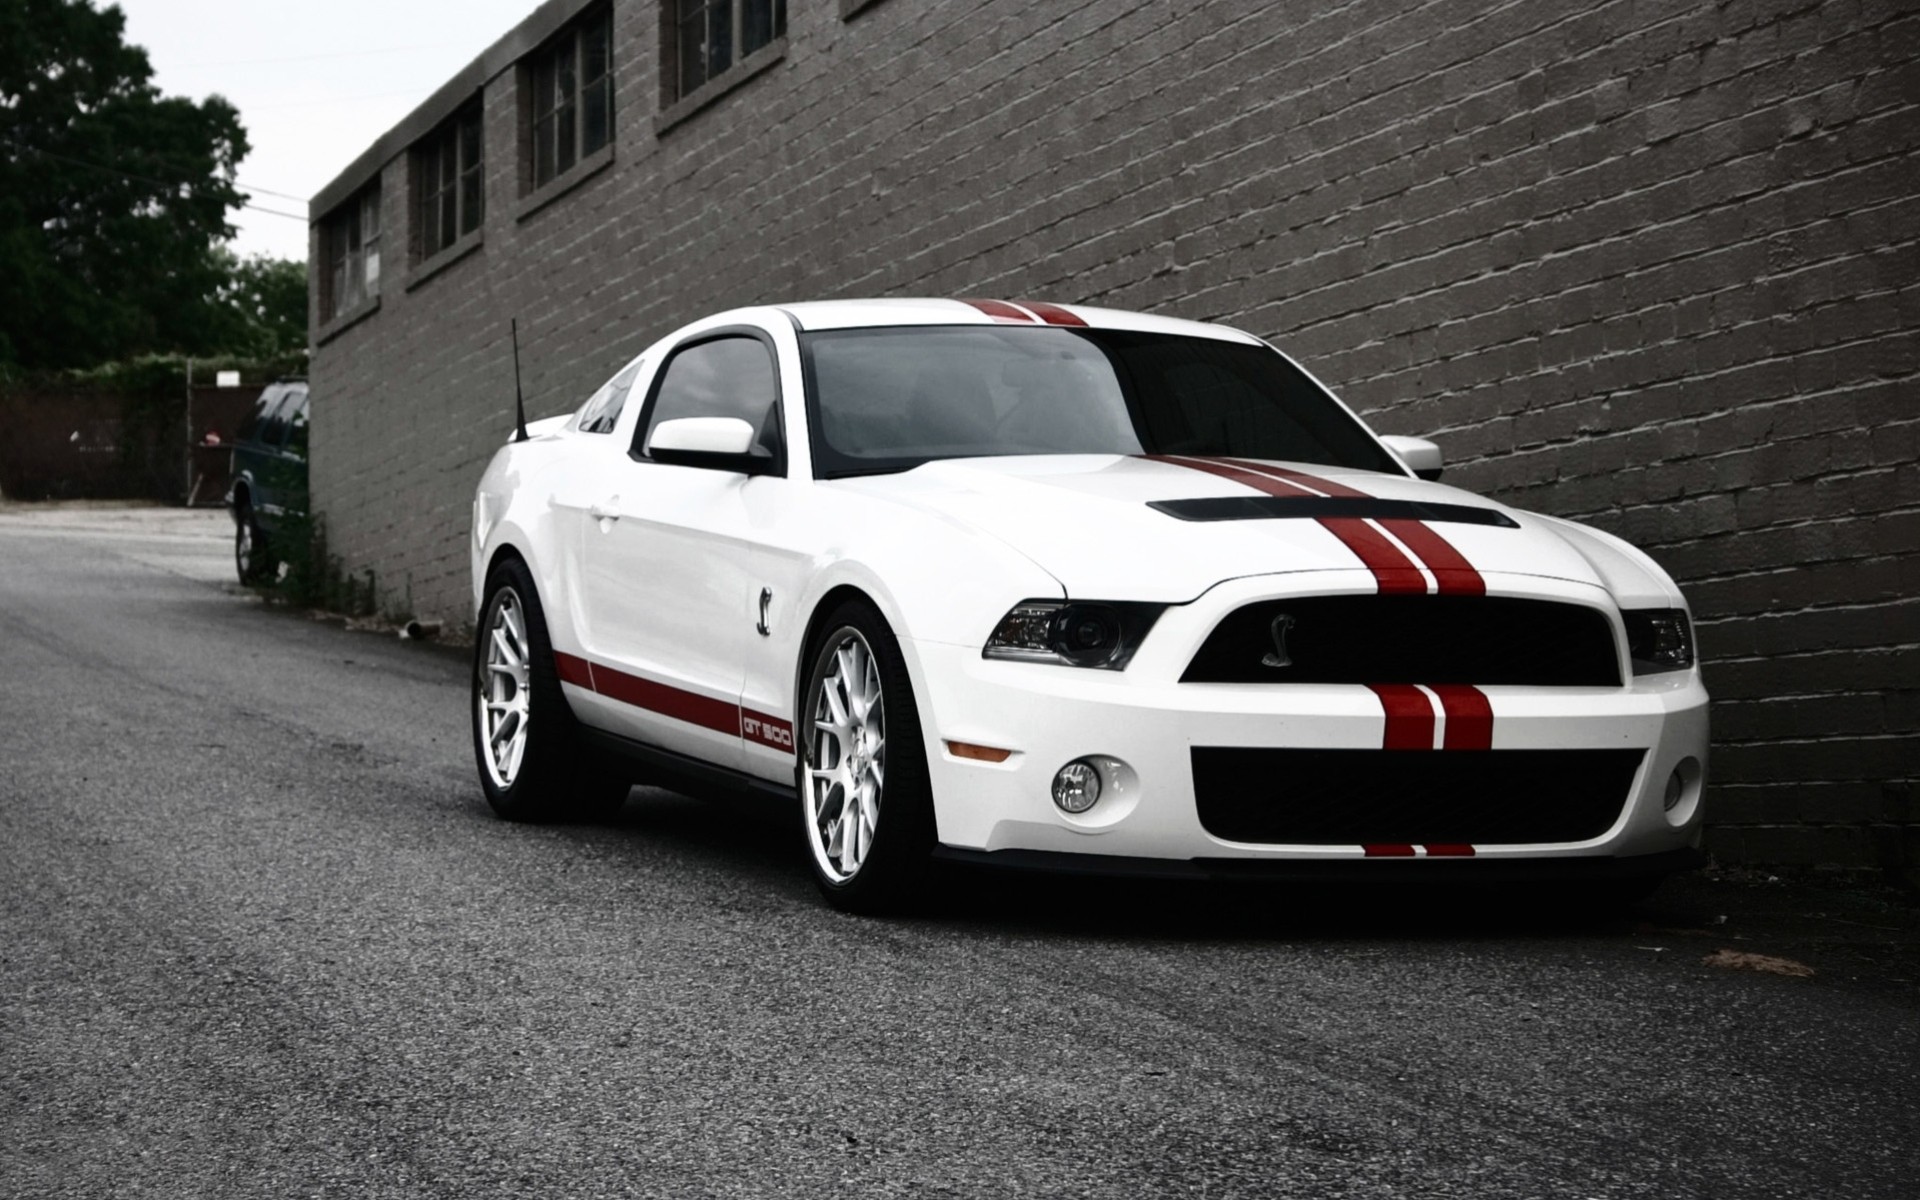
{"x": 253, "y": 62}
{"x": 81, "y": 162}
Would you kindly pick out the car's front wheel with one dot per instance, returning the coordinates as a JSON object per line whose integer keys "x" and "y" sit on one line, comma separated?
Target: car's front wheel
{"x": 534, "y": 765}
{"x": 865, "y": 799}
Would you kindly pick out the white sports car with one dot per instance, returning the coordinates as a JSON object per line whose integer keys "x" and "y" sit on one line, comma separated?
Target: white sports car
{"x": 1051, "y": 586}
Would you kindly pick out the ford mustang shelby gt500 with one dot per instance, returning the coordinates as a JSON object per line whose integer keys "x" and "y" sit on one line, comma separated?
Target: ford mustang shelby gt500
{"x": 1046, "y": 585}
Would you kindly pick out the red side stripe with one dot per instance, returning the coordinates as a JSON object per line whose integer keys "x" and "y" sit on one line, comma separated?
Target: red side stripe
{"x": 1451, "y": 570}
{"x": 707, "y": 712}
{"x": 1001, "y": 311}
{"x": 1449, "y": 850}
{"x": 1387, "y": 850}
{"x": 574, "y": 670}
{"x": 1052, "y": 314}
{"x": 681, "y": 705}
{"x": 1469, "y": 716}
{"x": 1409, "y": 716}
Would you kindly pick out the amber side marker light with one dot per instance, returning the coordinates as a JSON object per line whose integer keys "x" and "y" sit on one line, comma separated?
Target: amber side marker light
{"x": 978, "y": 753}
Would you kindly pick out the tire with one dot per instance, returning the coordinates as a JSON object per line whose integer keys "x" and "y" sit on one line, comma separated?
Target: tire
{"x": 533, "y": 762}
{"x": 877, "y": 863}
{"x": 252, "y": 560}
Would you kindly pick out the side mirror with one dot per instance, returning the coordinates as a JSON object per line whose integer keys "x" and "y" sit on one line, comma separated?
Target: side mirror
{"x": 1421, "y": 456}
{"x": 717, "y": 443}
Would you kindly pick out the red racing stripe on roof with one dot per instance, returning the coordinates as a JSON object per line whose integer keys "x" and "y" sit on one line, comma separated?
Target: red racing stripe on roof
{"x": 1052, "y": 314}
{"x": 1003, "y": 312}
{"x": 1409, "y": 716}
{"x": 1448, "y": 850}
{"x": 1388, "y": 850}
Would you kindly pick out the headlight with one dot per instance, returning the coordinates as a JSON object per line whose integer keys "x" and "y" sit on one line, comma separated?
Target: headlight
{"x": 1658, "y": 639}
{"x": 1081, "y": 633}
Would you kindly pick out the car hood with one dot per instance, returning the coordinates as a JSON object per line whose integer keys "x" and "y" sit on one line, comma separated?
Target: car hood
{"x": 1087, "y": 520}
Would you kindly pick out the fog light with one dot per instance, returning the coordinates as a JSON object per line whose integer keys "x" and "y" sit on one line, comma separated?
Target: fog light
{"x": 1676, "y": 788}
{"x": 1077, "y": 786}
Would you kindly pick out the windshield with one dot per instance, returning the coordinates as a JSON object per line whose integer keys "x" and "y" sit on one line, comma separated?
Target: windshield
{"x": 890, "y": 399}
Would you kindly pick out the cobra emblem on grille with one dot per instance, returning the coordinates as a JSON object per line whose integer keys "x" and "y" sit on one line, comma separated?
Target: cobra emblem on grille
{"x": 1279, "y": 657}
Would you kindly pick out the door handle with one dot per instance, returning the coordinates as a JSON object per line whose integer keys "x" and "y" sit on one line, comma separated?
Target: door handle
{"x": 607, "y": 510}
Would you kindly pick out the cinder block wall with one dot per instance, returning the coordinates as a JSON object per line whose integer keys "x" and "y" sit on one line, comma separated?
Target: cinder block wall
{"x": 1648, "y": 265}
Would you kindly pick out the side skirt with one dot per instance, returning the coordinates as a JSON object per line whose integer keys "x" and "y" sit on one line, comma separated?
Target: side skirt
{"x": 682, "y": 773}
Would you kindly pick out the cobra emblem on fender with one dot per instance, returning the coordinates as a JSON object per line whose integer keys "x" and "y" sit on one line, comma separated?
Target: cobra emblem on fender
{"x": 1279, "y": 657}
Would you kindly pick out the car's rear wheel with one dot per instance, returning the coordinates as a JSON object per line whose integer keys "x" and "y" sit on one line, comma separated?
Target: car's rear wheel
{"x": 534, "y": 764}
{"x": 251, "y": 558}
{"x": 866, "y": 804}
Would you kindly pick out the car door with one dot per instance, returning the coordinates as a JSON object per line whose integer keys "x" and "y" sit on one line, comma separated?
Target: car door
{"x": 248, "y": 455}
{"x": 287, "y": 470}
{"x": 666, "y": 603}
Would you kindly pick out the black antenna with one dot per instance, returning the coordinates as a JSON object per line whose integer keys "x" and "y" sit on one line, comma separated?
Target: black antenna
{"x": 519, "y": 402}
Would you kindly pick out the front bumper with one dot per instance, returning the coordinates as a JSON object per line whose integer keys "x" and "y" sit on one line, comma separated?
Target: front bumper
{"x": 1149, "y": 721}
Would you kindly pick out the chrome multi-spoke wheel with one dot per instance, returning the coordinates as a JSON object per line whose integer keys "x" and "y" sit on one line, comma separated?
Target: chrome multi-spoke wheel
{"x": 865, "y": 803}
{"x": 504, "y": 691}
{"x": 533, "y": 759}
{"x": 846, "y": 767}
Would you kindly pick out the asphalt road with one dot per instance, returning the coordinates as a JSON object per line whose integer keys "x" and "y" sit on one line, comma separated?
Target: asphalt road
{"x": 262, "y": 938}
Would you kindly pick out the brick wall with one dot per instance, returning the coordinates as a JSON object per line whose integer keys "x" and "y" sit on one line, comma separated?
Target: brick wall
{"x": 1648, "y": 265}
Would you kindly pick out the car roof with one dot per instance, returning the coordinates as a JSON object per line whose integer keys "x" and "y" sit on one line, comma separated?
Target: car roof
{"x": 859, "y": 314}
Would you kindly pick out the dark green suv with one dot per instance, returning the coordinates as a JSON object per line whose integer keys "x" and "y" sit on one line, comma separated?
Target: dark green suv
{"x": 269, "y": 476}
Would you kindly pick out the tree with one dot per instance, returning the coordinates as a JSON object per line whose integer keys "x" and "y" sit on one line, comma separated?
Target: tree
{"x": 113, "y": 198}
{"x": 261, "y": 309}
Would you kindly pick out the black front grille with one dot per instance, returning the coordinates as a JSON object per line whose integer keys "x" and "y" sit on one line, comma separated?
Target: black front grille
{"x": 1356, "y": 797}
{"x": 1411, "y": 639}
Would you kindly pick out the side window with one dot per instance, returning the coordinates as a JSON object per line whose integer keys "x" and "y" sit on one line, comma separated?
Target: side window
{"x": 297, "y": 424}
{"x": 257, "y": 415}
{"x": 602, "y": 411}
{"x": 273, "y": 430}
{"x": 725, "y": 377}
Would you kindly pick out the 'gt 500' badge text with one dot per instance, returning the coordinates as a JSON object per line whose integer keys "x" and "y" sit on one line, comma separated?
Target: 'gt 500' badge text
{"x": 767, "y": 732}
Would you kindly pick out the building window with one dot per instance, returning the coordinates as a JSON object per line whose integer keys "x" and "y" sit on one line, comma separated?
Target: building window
{"x": 449, "y": 192}
{"x": 571, "y": 83}
{"x": 350, "y": 237}
{"x": 710, "y": 36}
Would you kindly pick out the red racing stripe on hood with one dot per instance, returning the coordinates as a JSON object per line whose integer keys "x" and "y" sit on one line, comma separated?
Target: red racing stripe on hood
{"x": 1453, "y": 575}
{"x": 1393, "y": 572}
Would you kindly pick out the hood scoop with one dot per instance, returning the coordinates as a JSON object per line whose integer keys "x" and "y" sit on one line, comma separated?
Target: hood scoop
{"x": 1313, "y": 508}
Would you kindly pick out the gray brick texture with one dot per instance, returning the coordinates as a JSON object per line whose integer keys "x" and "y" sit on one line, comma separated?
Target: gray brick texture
{"x": 1649, "y": 265}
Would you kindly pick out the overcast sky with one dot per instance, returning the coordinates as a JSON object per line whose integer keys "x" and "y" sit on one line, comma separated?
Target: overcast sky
{"x": 315, "y": 83}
